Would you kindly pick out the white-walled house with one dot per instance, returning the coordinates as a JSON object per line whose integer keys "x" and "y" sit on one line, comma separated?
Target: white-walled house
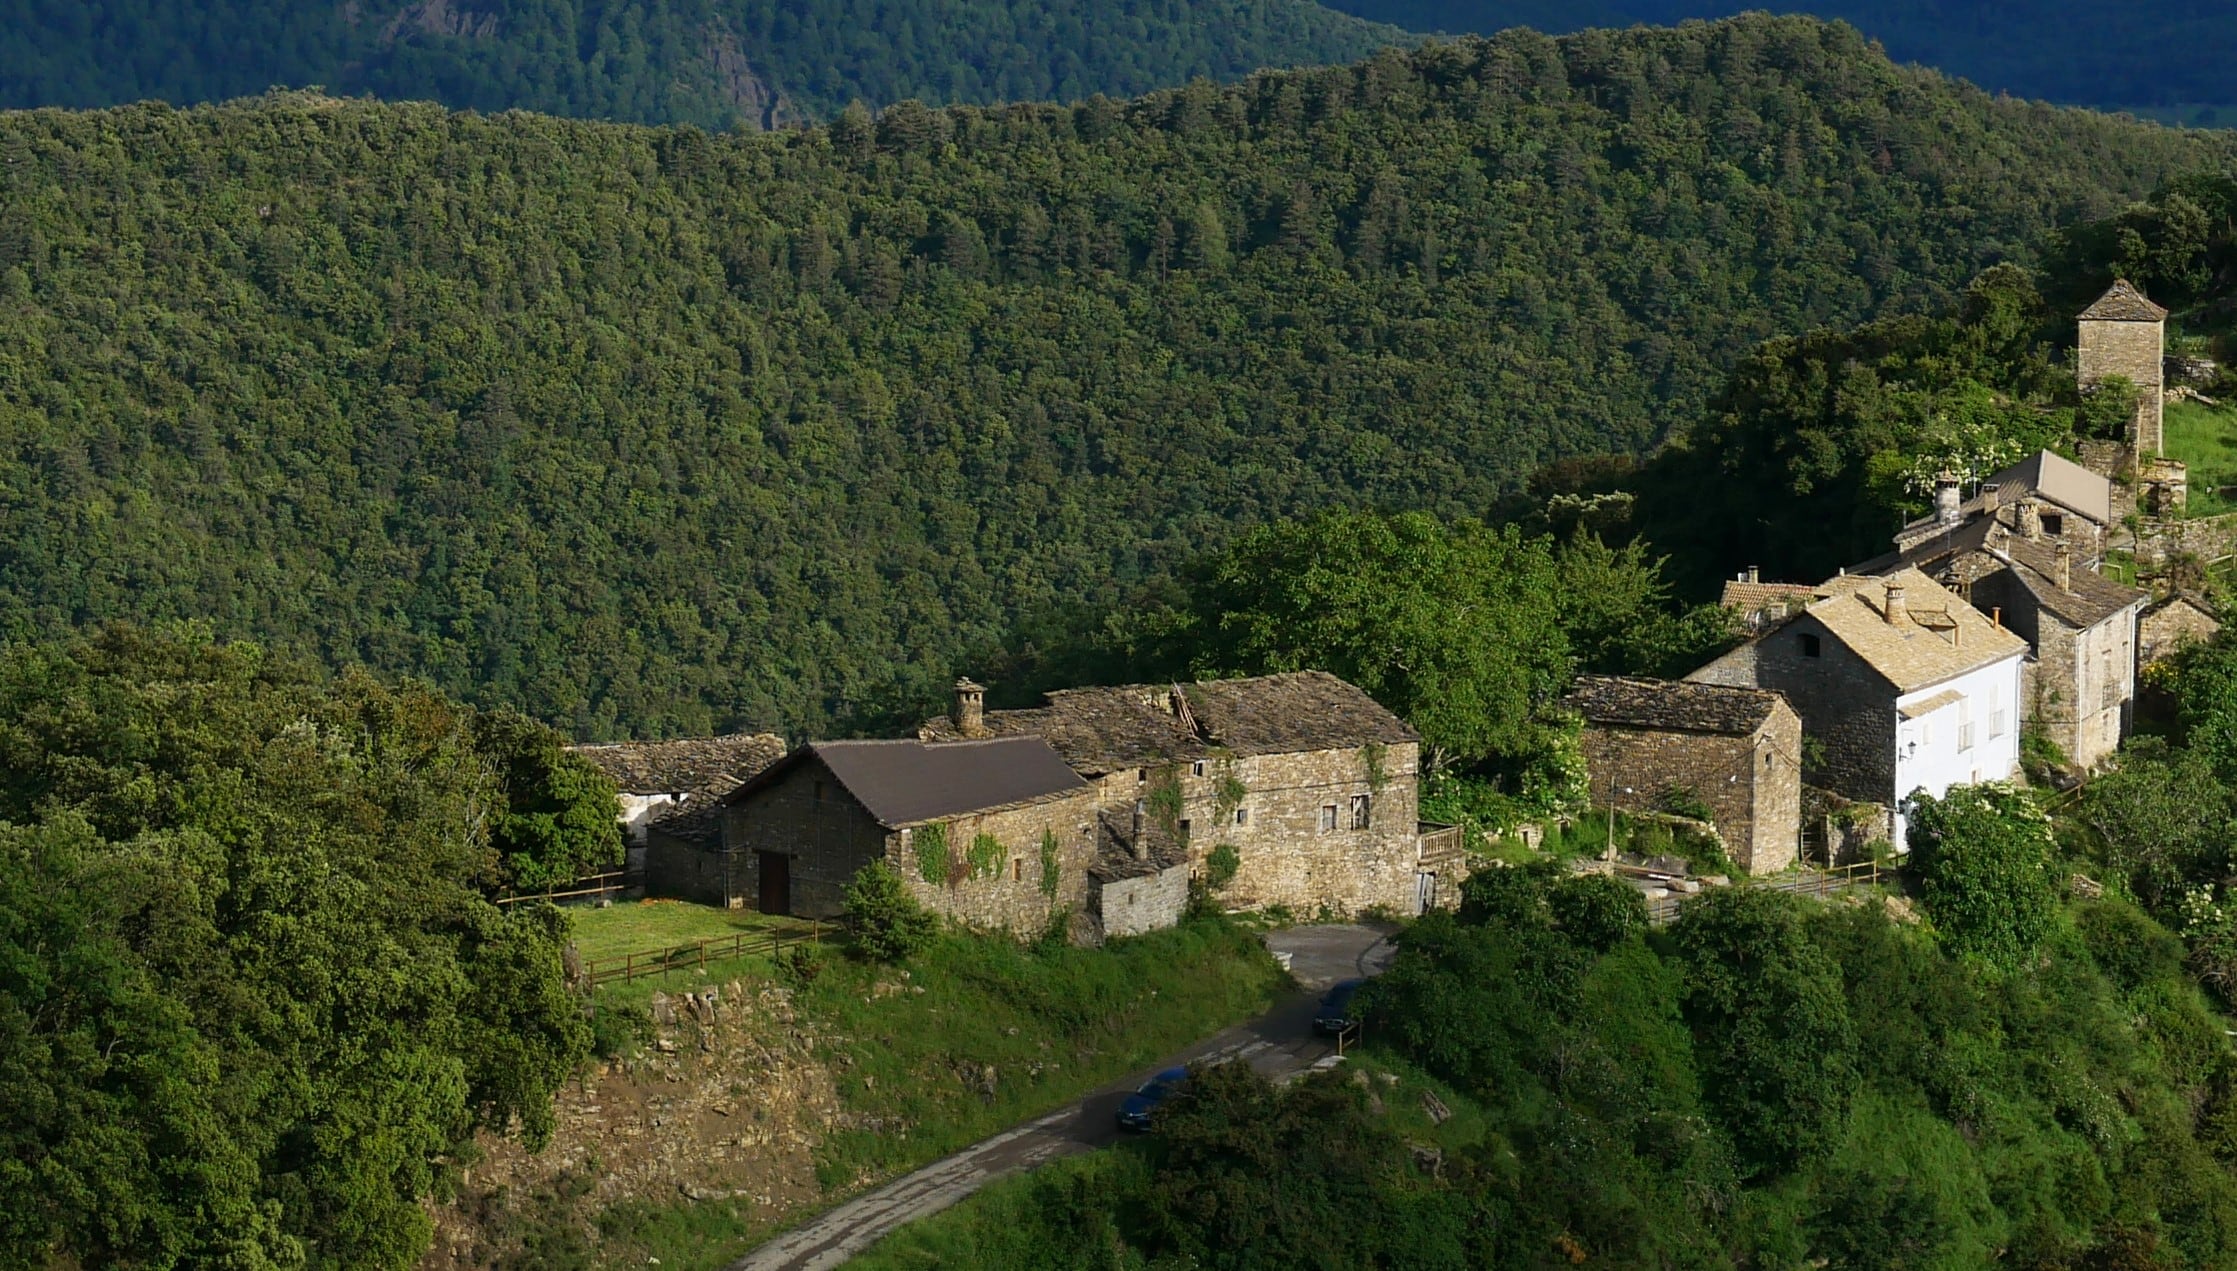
{"x": 1901, "y": 686}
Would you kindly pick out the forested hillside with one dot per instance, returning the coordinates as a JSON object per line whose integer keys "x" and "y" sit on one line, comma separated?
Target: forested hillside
{"x": 653, "y": 431}
{"x": 2059, "y": 50}
{"x": 716, "y": 63}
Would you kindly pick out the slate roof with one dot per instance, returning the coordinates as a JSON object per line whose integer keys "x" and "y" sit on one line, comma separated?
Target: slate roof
{"x": 908, "y": 782}
{"x": 2191, "y": 598}
{"x": 2123, "y": 303}
{"x": 2088, "y": 599}
{"x": 1942, "y": 638}
{"x": 1671, "y": 705}
{"x": 672, "y": 767}
{"x": 1100, "y": 730}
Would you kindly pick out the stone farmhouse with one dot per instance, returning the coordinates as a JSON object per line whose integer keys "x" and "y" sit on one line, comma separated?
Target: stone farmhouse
{"x": 1736, "y": 751}
{"x": 2167, "y": 625}
{"x": 2079, "y": 682}
{"x": 1313, "y": 784}
{"x": 1901, "y": 686}
{"x": 2125, "y": 334}
{"x": 672, "y": 787}
{"x": 2042, "y": 498}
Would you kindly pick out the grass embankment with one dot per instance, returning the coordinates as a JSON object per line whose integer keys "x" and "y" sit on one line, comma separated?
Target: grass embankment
{"x": 2204, "y": 439}
{"x": 644, "y": 926}
{"x": 980, "y": 1034}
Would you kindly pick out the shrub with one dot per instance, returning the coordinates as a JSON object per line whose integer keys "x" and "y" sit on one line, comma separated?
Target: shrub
{"x": 1596, "y": 911}
{"x": 889, "y": 924}
{"x": 1051, "y": 865}
{"x": 617, "y": 1030}
{"x": 1983, "y": 858}
{"x": 1220, "y": 865}
{"x": 2132, "y": 949}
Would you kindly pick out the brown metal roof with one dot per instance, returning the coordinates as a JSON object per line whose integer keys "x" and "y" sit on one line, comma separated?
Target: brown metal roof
{"x": 2123, "y": 303}
{"x": 1673, "y": 705}
{"x": 908, "y": 782}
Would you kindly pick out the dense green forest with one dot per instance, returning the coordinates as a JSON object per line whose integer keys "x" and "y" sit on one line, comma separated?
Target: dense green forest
{"x": 651, "y": 431}
{"x": 2059, "y": 50}
{"x": 715, "y": 63}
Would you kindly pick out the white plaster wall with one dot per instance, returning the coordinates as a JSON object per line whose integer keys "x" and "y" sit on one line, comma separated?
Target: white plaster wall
{"x": 1930, "y": 753}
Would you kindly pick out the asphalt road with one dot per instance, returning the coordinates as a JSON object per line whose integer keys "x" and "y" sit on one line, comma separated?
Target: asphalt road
{"x": 1279, "y": 1043}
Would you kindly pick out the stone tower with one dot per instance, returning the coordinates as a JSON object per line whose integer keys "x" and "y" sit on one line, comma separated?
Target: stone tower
{"x": 2125, "y": 334}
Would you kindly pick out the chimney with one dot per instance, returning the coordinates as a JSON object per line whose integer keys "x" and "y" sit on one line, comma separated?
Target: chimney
{"x": 1947, "y": 499}
{"x": 1996, "y": 616}
{"x": 1754, "y": 575}
{"x": 2031, "y": 520}
{"x": 2065, "y": 575}
{"x": 970, "y": 708}
{"x": 1897, "y": 612}
{"x": 1992, "y": 497}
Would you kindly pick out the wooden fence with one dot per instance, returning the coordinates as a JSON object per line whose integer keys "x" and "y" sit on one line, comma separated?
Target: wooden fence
{"x": 624, "y": 967}
{"x": 1809, "y": 882}
{"x": 595, "y": 885}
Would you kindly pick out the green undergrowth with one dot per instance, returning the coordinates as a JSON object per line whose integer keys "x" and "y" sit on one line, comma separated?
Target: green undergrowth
{"x": 2204, "y": 438}
{"x": 978, "y": 1035}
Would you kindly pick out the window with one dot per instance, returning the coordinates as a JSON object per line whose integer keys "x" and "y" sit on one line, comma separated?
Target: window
{"x": 2054, "y": 524}
{"x": 819, "y": 792}
{"x": 1184, "y": 829}
{"x": 1242, "y": 816}
{"x": 1964, "y": 736}
{"x": 1017, "y": 869}
{"x": 1196, "y": 768}
{"x": 1810, "y": 645}
{"x": 1360, "y": 812}
{"x": 1327, "y": 817}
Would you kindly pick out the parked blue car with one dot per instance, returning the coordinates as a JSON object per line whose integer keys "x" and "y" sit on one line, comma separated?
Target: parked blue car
{"x": 1135, "y": 1113}
{"x": 1335, "y": 1014}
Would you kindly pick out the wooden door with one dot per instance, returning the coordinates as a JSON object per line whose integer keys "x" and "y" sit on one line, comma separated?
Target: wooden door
{"x": 776, "y": 882}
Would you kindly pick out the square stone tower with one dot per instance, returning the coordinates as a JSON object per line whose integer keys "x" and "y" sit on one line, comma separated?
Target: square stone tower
{"x": 2125, "y": 334}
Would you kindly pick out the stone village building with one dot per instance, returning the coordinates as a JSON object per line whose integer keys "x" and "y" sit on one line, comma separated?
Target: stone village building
{"x": 1900, "y": 686}
{"x": 1737, "y": 751}
{"x": 672, "y": 787}
{"x": 2042, "y": 498}
{"x": 2125, "y": 334}
{"x": 2167, "y": 625}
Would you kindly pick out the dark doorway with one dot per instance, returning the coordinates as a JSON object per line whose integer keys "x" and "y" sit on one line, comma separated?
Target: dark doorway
{"x": 776, "y": 882}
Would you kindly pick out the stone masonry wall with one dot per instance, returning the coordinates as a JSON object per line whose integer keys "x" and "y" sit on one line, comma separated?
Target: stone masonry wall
{"x": 1287, "y": 856}
{"x": 1131, "y": 906}
{"x": 685, "y": 871}
{"x": 1013, "y": 895}
{"x": 806, "y": 815}
{"x": 2163, "y": 631}
{"x": 1847, "y": 709}
{"x": 2210, "y": 538}
{"x": 1751, "y": 789}
{"x": 2136, "y": 350}
{"x": 1775, "y": 838}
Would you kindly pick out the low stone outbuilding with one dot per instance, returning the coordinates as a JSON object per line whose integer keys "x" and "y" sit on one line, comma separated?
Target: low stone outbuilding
{"x": 671, "y": 787}
{"x": 1735, "y": 751}
{"x": 2167, "y": 625}
{"x": 1313, "y": 783}
{"x": 996, "y": 834}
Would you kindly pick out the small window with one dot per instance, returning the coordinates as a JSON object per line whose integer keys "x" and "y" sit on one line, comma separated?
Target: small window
{"x": 1810, "y": 646}
{"x": 1184, "y": 829}
{"x": 2054, "y": 524}
{"x": 1242, "y": 816}
{"x": 1360, "y": 812}
{"x": 819, "y": 792}
{"x": 1196, "y": 769}
{"x": 1327, "y": 817}
{"x": 1017, "y": 869}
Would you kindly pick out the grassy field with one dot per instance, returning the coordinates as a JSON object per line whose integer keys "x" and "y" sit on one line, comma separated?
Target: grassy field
{"x": 913, "y": 1055}
{"x": 2205, "y": 439}
{"x": 640, "y": 926}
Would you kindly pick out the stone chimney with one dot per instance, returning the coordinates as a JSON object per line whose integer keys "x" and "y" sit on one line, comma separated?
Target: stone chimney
{"x": 2064, "y": 576}
{"x": 1898, "y": 613}
{"x": 1754, "y": 575}
{"x": 1992, "y": 497}
{"x": 969, "y": 713}
{"x": 1948, "y": 499}
{"x": 2031, "y": 520}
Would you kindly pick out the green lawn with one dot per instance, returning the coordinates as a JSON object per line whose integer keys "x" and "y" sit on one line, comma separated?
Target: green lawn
{"x": 642, "y": 926}
{"x": 2205, "y": 439}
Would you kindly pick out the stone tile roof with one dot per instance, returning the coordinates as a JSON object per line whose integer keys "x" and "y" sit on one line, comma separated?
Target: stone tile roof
{"x": 1941, "y": 638}
{"x": 696, "y": 818}
{"x": 672, "y": 767}
{"x": 2123, "y": 303}
{"x": 2042, "y": 474}
{"x": 1750, "y": 597}
{"x": 1671, "y": 705}
{"x": 2089, "y": 597}
{"x": 908, "y": 782}
{"x": 1926, "y": 706}
{"x": 2190, "y": 598}
{"x": 1100, "y": 730}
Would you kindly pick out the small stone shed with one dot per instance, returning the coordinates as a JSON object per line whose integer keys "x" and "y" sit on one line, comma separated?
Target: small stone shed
{"x": 1735, "y": 751}
{"x": 671, "y": 787}
{"x": 2169, "y": 624}
{"x": 996, "y": 834}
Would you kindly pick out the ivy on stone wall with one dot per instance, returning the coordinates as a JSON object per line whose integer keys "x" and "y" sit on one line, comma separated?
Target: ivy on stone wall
{"x": 984, "y": 859}
{"x": 1373, "y": 755}
{"x": 1220, "y": 865}
{"x": 1228, "y": 791}
{"x": 1164, "y": 802}
{"x": 1049, "y": 864}
{"x": 932, "y": 852}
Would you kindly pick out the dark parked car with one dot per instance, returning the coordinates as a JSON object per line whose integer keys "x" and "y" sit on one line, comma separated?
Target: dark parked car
{"x": 1139, "y": 1107}
{"x": 1335, "y": 1013}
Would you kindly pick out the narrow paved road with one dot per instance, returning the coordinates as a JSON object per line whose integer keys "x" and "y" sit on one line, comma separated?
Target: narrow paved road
{"x": 1279, "y": 1043}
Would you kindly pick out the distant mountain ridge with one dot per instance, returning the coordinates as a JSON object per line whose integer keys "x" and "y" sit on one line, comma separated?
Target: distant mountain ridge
{"x": 715, "y": 63}
{"x": 2159, "y": 55}
{"x": 652, "y": 431}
